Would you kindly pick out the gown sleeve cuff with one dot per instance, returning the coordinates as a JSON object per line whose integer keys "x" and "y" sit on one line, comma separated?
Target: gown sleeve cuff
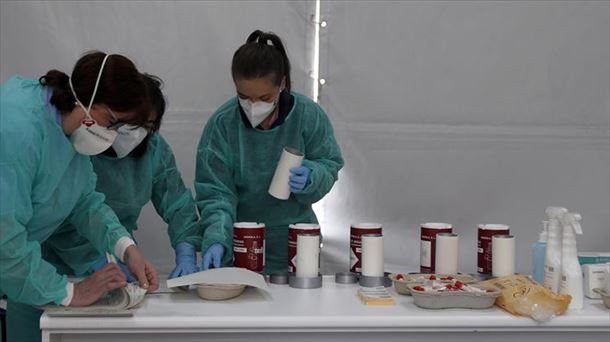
{"x": 121, "y": 247}
{"x": 69, "y": 294}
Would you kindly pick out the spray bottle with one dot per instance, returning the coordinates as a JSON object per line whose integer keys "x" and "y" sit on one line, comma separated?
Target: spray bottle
{"x": 571, "y": 272}
{"x": 552, "y": 259}
{"x": 539, "y": 254}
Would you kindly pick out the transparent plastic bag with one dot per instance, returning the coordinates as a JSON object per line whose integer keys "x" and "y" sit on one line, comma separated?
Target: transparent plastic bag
{"x": 524, "y": 297}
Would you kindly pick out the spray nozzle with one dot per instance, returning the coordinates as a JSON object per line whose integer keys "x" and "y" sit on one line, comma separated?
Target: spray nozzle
{"x": 555, "y": 213}
{"x": 545, "y": 231}
{"x": 572, "y": 220}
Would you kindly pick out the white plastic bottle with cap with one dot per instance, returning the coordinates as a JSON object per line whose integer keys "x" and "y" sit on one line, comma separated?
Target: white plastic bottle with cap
{"x": 571, "y": 272}
{"x": 552, "y": 260}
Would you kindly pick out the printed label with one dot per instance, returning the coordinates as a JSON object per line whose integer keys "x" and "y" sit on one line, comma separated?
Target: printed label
{"x": 425, "y": 256}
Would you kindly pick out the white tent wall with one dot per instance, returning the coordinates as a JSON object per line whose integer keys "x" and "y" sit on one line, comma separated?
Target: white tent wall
{"x": 464, "y": 112}
{"x": 188, "y": 44}
{"x": 467, "y": 113}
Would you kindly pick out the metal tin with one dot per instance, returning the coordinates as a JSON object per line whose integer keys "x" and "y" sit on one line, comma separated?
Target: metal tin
{"x": 295, "y": 230}
{"x": 485, "y": 235}
{"x": 249, "y": 246}
{"x": 427, "y": 256}
{"x": 355, "y": 245}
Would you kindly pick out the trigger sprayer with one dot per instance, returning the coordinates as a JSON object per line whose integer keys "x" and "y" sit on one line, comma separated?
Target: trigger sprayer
{"x": 552, "y": 259}
{"x": 571, "y": 272}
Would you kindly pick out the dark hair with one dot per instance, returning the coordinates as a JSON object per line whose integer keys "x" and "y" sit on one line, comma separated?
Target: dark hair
{"x": 121, "y": 87}
{"x": 262, "y": 55}
{"x": 158, "y": 103}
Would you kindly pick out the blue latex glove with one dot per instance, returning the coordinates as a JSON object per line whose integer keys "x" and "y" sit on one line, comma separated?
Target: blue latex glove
{"x": 186, "y": 260}
{"x": 299, "y": 178}
{"x": 213, "y": 256}
{"x": 101, "y": 262}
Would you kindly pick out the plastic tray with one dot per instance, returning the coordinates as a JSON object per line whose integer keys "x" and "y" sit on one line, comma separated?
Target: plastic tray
{"x": 455, "y": 299}
{"x": 401, "y": 285}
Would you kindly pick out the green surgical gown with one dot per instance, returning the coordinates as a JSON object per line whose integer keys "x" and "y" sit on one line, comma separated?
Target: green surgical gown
{"x": 129, "y": 183}
{"x": 235, "y": 164}
{"x": 44, "y": 182}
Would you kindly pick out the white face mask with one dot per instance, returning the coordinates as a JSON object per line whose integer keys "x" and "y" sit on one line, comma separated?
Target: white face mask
{"x": 129, "y": 137}
{"x": 90, "y": 138}
{"x": 256, "y": 112}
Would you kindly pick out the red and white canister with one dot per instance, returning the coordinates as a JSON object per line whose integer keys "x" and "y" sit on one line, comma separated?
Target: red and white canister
{"x": 484, "y": 254}
{"x": 295, "y": 230}
{"x": 355, "y": 243}
{"x": 249, "y": 245}
{"x": 427, "y": 251}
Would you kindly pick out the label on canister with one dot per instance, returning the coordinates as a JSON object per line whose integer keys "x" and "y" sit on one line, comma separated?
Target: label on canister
{"x": 486, "y": 233}
{"x": 355, "y": 243}
{"x": 427, "y": 251}
{"x": 249, "y": 246}
{"x": 293, "y": 231}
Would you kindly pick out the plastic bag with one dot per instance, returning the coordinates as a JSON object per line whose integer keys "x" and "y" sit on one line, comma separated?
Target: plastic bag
{"x": 524, "y": 297}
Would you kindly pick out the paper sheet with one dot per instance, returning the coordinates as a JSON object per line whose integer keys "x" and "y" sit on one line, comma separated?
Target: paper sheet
{"x": 224, "y": 275}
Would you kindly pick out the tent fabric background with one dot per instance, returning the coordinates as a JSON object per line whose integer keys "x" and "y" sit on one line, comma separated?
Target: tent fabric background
{"x": 466, "y": 112}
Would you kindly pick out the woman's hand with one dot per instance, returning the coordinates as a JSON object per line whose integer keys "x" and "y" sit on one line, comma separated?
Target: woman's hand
{"x": 142, "y": 269}
{"x": 93, "y": 287}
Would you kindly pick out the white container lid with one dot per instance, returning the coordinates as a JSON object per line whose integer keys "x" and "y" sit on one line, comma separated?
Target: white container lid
{"x": 248, "y": 225}
{"x": 436, "y": 225}
{"x": 366, "y": 225}
{"x": 494, "y": 226}
{"x": 304, "y": 226}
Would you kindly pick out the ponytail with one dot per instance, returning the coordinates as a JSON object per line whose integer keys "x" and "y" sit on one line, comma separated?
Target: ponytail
{"x": 62, "y": 97}
{"x": 262, "y": 55}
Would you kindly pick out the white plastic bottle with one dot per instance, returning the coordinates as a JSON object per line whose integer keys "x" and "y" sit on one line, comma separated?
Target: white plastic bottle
{"x": 552, "y": 260}
{"x": 571, "y": 272}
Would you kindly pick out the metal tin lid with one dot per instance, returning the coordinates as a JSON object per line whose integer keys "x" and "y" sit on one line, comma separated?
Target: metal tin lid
{"x": 304, "y": 283}
{"x": 366, "y": 225}
{"x": 494, "y": 226}
{"x": 304, "y": 226}
{"x": 278, "y": 278}
{"x": 248, "y": 225}
{"x": 371, "y": 235}
{"x": 294, "y": 151}
{"x": 446, "y": 235}
{"x": 503, "y": 237}
{"x": 346, "y": 278}
{"x": 366, "y": 281}
{"x": 436, "y": 225}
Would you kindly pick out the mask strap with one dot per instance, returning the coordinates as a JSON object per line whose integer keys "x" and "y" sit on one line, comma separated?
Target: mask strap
{"x": 97, "y": 82}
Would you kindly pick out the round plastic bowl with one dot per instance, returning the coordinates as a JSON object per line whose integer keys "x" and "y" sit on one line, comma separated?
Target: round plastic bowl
{"x": 219, "y": 291}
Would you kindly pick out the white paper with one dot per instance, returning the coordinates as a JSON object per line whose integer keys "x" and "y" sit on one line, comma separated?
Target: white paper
{"x": 119, "y": 302}
{"x": 502, "y": 256}
{"x": 446, "y": 261}
{"x": 279, "y": 187}
{"x": 224, "y": 275}
{"x": 308, "y": 253}
{"x": 372, "y": 255}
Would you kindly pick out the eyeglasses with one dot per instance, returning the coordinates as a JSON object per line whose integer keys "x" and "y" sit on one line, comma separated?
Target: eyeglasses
{"x": 116, "y": 124}
{"x": 151, "y": 125}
